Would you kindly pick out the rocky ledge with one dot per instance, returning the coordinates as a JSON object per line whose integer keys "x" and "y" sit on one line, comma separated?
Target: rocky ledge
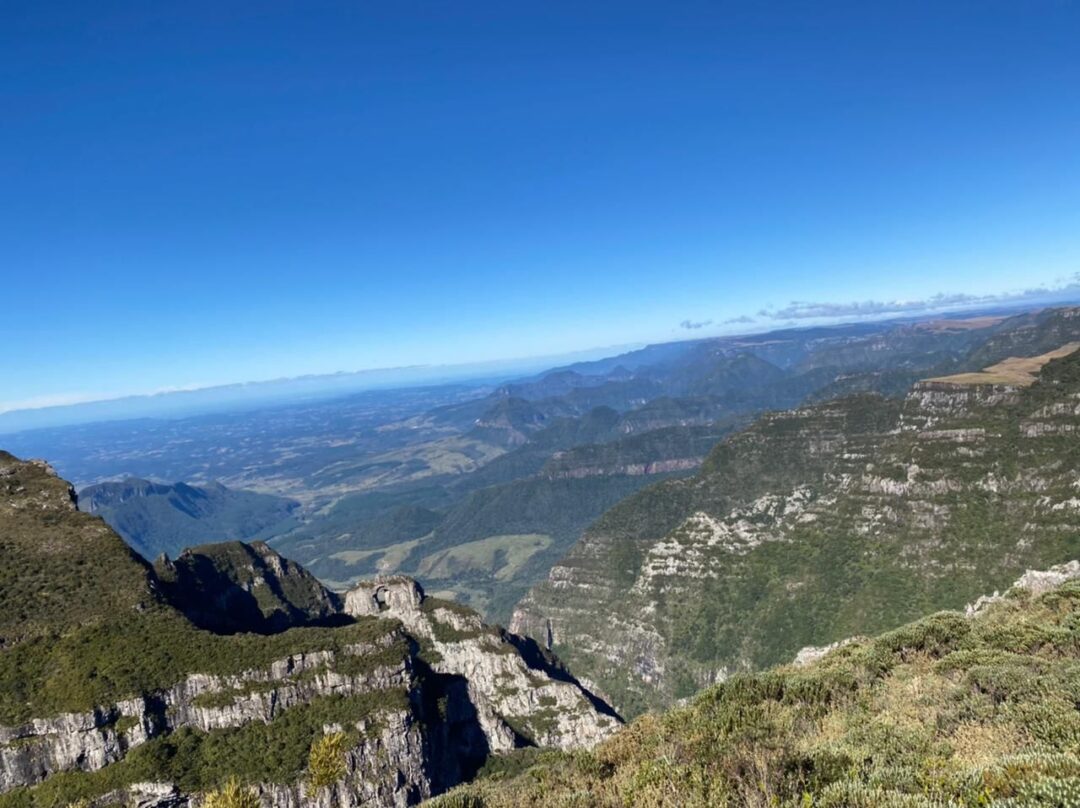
{"x": 521, "y": 693}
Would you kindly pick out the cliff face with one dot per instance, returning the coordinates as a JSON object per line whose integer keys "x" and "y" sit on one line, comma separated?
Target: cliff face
{"x": 817, "y": 524}
{"x": 520, "y": 695}
{"x": 113, "y": 687}
{"x": 232, "y": 586}
{"x": 100, "y": 739}
{"x": 661, "y": 451}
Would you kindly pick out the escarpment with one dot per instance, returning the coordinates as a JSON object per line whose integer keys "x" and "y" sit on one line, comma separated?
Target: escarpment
{"x": 816, "y": 524}
{"x": 125, "y": 683}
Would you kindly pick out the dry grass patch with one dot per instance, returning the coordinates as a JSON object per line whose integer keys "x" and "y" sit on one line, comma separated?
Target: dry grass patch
{"x": 1016, "y": 370}
{"x": 978, "y": 745}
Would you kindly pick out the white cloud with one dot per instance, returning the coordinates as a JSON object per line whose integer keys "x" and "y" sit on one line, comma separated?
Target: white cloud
{"x": 820, "y": 310}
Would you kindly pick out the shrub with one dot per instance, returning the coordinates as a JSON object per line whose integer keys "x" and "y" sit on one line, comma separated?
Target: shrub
{"x": 232, "y": 795}
{"x": 326, "y": 763}
{"x": 935, "y": 636}
{"x": 1048, "y": 793}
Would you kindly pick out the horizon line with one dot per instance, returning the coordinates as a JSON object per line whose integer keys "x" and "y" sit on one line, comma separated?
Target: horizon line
{"x": 797, "y": 315}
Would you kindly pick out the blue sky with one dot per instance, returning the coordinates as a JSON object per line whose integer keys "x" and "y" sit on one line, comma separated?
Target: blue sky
{"x": 197, "y": 193}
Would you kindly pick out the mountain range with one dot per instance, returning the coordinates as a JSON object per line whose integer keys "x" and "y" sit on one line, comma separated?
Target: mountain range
{"x": 707, "y": 537}
{"x": 116, "y": 689}
{"x": 479, "y": 491}
{"x": 157, "y": 518}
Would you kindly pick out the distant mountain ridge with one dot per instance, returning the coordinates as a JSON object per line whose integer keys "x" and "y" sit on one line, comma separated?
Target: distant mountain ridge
{"x": 156, "y": 518}
{"x": 316, "y": 387}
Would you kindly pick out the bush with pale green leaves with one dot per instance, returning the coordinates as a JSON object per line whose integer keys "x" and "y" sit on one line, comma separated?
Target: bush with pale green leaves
{"x": 232, "y": 795}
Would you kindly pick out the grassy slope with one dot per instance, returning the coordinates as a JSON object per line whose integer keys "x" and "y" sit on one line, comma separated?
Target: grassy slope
{"x": 1018, "y": 370}
{"x": 53, "y": 558}
{"x": 944, "y": 711}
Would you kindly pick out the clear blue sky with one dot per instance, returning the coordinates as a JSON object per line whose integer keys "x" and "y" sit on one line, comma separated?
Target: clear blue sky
{"x": 196, "y": 193}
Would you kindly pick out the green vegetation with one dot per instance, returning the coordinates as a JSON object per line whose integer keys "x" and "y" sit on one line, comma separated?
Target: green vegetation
{"x": 557, "y": 508}
{"x": 117, "y": 659}
{"x": 368, "y": 521}
{"x": 114, "y": 661}
{"x": 83, "y": 620}
{"x": 84, "y": 627}
{"x": 499, "y": 556}
{"x": 54, "y": 558}
{"x": 493, "y": 575}
{"x": 140, "y": 644}
{"x": 849, "y": 517}
{"x": 946, "y": 711}
{"x": 233, "y": 586}
{"x": 654, "y": 445}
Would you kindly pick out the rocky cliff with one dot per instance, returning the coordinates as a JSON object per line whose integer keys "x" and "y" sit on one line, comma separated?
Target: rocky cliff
{"x": 660, "y": 451}
{"x": 233, "y": 586}
{"x": 815, "y": 524}
{"x": 519, "y": 693}
{"x": 111, "y": 692}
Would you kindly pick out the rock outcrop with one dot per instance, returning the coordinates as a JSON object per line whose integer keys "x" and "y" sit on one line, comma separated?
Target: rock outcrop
{"x": 89, "y": 741}
{"x": 232, "y": 586}
{"x": 519, "y": 695}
